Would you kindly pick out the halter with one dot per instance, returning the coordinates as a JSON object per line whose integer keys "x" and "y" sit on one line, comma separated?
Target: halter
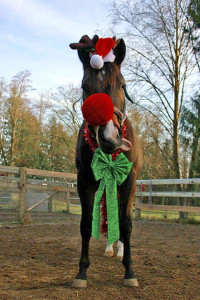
{"x": 120, "y": 114}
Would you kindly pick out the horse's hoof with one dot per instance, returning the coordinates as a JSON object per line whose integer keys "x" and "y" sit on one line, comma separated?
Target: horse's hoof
{"x": 119, "y": 258}
{"x": 131, "y": 282}
{"x": 109, "y": 253}
{"x": 79, "y": 283}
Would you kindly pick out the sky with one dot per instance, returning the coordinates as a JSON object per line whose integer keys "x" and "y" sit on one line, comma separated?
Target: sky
{"x": 35, "y": 36}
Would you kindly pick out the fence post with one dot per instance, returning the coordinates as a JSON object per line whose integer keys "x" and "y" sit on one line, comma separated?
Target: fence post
{"x": 22, "y": 196}
{"x": 68, "y": 202}
{"x": 138, "y": 210}
{"x": 50, "y": 204}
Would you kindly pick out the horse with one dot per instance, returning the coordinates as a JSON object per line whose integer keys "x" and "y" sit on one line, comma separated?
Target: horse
{"x": 117, "y": 135}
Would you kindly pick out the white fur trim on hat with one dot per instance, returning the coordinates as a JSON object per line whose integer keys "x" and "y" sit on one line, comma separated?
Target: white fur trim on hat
{"x": 96, "y": 61}
{"x": 109, "y": 57}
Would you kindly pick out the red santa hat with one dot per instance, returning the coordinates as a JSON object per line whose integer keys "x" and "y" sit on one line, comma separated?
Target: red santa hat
{"x": 98, "y": 109}
{"x": 103, "y": 53}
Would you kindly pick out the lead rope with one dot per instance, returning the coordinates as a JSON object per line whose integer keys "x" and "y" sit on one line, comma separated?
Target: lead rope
{"x": 127, "y": 95}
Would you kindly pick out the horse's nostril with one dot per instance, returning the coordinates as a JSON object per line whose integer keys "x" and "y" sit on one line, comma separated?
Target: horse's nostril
{"x": 109, "y": 140}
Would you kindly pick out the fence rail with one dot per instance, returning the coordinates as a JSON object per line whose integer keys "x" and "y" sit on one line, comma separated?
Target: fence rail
{"x": 139, "y": 205}
{"x": 168, "y": 181}
{"x": 24, "y": 179}
{"x": 61, "y": 182}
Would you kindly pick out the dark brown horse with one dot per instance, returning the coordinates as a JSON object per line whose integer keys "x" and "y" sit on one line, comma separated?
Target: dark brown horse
{"x": 116, "y": 135}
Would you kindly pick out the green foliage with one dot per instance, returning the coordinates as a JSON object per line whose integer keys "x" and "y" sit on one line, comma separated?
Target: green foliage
{"x": 157, "y": 151}
{"x": 29, "y": 136}
{"x": 194, "y": 12}
{"x": 190, "y": 129}
{"x": 42, "y": 134}
{"x": 193, "y": 27}
{"x": 190, "y": 220}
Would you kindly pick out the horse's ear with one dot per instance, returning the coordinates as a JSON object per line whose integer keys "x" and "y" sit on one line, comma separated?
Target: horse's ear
{"x": 120, "y": 52}
{"x": 84, "y": 57}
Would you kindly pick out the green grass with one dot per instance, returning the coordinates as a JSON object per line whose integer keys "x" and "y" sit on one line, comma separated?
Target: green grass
{"x": 169, "y": 216}
{"x": 59, "y": 206}
{"x": 191, "y": 220}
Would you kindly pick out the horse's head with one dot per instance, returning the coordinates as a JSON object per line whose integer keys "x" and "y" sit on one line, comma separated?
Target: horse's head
{"x": 109, "y": 80}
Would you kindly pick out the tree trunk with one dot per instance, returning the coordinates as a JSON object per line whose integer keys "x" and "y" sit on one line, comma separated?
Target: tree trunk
{"x": 176, "y": 102}
{"x": 12, "y": 148}
{"x": 176, "y": 150}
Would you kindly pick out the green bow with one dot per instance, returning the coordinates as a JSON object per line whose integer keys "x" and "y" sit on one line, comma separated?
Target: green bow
{"x": 112, "y": 174}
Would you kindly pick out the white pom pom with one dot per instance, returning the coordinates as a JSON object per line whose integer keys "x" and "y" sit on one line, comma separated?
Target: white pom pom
{"x": 96, "y": 61}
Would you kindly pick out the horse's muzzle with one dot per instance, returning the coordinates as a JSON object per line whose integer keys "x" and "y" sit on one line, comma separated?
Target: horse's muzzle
{"x": 109, "y": 138}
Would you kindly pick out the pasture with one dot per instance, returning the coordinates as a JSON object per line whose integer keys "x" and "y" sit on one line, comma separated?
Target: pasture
{"x": 40, "y": 262}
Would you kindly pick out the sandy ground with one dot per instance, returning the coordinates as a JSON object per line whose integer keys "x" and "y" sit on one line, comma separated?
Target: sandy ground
{"x": 40, "y": 262}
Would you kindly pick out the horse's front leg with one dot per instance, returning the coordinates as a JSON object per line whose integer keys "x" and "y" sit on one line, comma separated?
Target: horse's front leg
{"x": 126, "y": 198}
{"x": 87, "y": 199}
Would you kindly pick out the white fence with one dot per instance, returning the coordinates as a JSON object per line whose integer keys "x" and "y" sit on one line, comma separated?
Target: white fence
{"x": 151, "y": 195}
{"x": 23, "y": 180}
{"x": 182, "y": 193}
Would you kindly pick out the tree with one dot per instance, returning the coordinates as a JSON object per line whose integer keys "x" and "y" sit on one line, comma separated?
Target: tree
{"x": 190, "y": 117}
{"x": 194, "y": 12}
{"x": 190, "y": 126}
{"x": 61, "y": 102}
{"x": 57, "y": 155}
{"x": 13, "y": 105}
{"x": 28, "y": 141}
{"x": 192, "y": 27}
{"x": 3, "y": 90}
{"x": 37, "y": 134}
{"x": 149, "y": 131}
{"x": 160, "y": 60}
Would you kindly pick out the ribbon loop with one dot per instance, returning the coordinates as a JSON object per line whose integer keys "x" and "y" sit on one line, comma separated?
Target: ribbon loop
{"x": 112, "y": 174}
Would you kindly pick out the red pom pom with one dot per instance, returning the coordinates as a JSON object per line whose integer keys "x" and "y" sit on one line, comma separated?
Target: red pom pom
{"x": 98, "y": 109}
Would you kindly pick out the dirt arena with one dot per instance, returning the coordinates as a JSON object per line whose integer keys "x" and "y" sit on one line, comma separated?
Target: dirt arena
{"x": 40, "y": 262}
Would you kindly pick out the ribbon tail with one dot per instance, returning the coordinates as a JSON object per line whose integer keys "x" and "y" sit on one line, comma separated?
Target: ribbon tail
{"x": 112, "y": 212}
{"x": 96, "y": 210}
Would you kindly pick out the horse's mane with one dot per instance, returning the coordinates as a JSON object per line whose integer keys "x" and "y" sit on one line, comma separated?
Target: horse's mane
{"x": 110, "y": 72}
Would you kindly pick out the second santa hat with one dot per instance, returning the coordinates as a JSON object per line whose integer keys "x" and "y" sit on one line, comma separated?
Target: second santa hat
{"x": 103, "y": 53}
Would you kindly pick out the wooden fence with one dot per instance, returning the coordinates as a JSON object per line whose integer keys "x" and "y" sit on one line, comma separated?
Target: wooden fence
{"x": 24, "y": 179}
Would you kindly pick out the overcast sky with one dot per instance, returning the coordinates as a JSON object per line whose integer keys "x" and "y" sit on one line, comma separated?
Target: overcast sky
{"x": 35, "y": 35}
